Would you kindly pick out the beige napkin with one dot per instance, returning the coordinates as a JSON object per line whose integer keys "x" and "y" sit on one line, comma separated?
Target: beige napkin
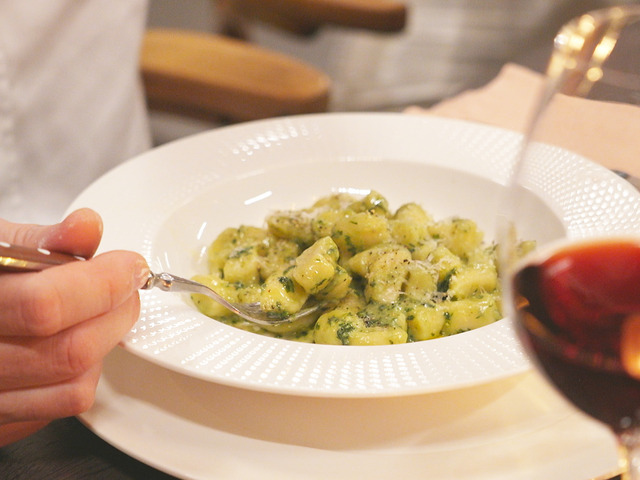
{"x": 607, "y": 133}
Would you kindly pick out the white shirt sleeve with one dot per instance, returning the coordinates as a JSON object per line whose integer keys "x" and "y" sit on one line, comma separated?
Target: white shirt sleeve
{"x": 71, "y": 102}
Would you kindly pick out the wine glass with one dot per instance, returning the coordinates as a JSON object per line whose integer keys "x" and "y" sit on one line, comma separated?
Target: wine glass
{"x": 575, "y": 297}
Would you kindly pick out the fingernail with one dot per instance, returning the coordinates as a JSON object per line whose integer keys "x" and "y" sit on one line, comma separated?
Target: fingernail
{"x": 141, "y": 273}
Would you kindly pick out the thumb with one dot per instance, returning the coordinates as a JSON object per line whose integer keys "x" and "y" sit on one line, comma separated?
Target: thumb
{"x": 78, "y": 234}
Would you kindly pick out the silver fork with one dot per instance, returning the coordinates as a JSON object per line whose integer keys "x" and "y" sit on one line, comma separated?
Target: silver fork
{"x": 251, "y": 312}
{"x": 14, "y": 258}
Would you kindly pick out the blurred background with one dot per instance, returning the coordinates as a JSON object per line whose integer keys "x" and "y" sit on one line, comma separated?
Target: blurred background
{"x": 445, "y": 47}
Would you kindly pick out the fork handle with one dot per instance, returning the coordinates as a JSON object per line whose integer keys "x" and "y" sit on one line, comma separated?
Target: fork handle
{"x": 15, "y": 258}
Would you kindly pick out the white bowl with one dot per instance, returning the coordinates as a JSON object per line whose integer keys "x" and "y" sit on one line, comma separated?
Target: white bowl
{"x": 171, "y": 202}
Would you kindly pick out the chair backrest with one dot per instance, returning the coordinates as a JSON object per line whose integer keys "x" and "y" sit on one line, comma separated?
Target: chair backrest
{"x": 304, "y": 17}
{"x": 210, "y": 76}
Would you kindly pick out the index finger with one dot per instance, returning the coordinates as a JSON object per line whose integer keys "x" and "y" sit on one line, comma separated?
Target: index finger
{"x": 79, "y": 234}
{"x": 47, "y": 302}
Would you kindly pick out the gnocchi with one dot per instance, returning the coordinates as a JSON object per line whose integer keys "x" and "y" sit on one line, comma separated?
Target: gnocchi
{"x": 384, "y": 277}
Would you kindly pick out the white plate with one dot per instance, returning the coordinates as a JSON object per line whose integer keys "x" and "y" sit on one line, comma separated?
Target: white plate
{"x": 171, "y": 202}
{"x": 512, "y": 429}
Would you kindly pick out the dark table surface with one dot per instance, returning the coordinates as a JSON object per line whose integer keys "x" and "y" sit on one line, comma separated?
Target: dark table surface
{"x": 66, "y": 449}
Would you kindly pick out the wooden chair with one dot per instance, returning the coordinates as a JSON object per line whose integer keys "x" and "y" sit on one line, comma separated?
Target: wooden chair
{"x": 213, "y": 77}
{"x": 305, "y": 17}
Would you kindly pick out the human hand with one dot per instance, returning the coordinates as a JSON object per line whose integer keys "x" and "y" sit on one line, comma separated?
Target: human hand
{"x": 57, "y": 325}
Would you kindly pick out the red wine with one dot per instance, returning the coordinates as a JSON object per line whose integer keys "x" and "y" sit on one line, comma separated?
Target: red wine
{"x": 578, "y": 313}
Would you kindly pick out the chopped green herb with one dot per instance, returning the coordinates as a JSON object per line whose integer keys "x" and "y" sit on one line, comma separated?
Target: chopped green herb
{"x": 288, "y": 284}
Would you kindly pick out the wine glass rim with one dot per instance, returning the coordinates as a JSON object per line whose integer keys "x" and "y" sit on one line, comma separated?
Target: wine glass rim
{"x": 550, "y": 249}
